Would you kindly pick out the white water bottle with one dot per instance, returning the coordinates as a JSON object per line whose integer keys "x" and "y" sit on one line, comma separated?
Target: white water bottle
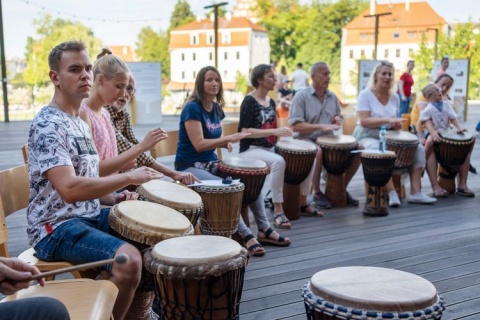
{"x": 383, "y": 139}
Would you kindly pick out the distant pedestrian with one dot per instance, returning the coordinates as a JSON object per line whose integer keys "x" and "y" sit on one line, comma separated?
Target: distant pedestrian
{"x": 299, "y": 78}
{"x": 405, "y": 85}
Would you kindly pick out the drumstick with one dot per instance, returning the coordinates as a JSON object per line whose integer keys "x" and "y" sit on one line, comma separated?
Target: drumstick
{"x": 120, "y": 259}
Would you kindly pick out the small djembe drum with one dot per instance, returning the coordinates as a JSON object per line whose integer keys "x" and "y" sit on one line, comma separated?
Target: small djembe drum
{"x": 144, "y": 224}
{"x": 404, "y": 144}
{"x": 377, "y": 170}
{"x": 451, "y": 152}
{"x": 370, "y": 293}
{"x": 175, "y": 196}
{"x": 299, "y": 156}
{"x": 252, "y": 174}
{"x": 221, "y": 208}
{"x": 199, "y": 277}
{"x": 337, "y": 157}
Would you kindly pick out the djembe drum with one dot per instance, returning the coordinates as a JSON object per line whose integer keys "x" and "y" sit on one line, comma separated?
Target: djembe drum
{"x": 404, "y": 144}
{"x": 175, "y": 196}
{"x": 370, "y": 293}
{"x": 199, "y": 277}
{"x": 451, "y": 152}
{"x": 252, "y": 174}
{"x": 144, "y": 224}
{"x": 336, "y": 158}
{"x": 377, "y": 170}
{"x": 299, "y": 156}
{"x": 221, "y": 208}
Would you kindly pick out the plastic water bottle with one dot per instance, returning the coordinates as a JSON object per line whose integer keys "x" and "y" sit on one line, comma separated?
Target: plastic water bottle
{"x": 383, "y": 139}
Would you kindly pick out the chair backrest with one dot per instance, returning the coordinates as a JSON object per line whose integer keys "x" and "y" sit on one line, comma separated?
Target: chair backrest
{"x": 166, "y": 147}
{"x": 14, "y": 194}
{"x": 25, "y": 153}
{"x": 227, "y": 129}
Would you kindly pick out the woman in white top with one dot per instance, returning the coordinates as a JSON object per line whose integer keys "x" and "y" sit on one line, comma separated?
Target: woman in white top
{"x": 377, "y": 106}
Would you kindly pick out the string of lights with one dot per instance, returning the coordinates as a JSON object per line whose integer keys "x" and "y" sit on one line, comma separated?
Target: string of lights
{"x": 51, "y": 10}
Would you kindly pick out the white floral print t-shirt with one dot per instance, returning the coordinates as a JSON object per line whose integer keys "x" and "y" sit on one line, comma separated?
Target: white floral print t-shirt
{"x": 57, "y": 139}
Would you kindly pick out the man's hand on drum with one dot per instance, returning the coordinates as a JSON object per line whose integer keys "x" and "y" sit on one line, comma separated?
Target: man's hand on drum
{"x": 185, "y": 177}
{"x": 236, "y": 137}
{"x": 329, "y": 127}
{"x": 283, "y": 132}
{"x": 338, "y": 120}
{"x": 396, "y": 123}
{"x": 125, "y": 195}
{"x": 435, "y": 136}
{"x": 144, "y": 174}
{"x": 461, "y": 130}
{"x": 152, "y": 137}
{"x": 229, "y": 147}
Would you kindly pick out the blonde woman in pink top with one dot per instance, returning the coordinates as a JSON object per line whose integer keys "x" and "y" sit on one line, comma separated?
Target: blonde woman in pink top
{"x": 110, "y": 81}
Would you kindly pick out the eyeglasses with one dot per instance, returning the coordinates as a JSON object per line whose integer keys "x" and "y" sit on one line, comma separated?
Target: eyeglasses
{"x": 131, "y": 90}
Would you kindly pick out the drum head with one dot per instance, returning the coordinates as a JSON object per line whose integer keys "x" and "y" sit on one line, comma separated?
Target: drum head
{"x": 370, "y": 153}
{"x": 236, "y": 162}
{"x": 452, "y": 134}
{"x": 333, "y": 140}
{"x": 401, "y": 136}
{"x": 194, "y": 250}
{"x": 296, "y": 145}
{"x": 152, "y": 216}
{"x": 373, "y": 288}
{"x": 171, "y": 193}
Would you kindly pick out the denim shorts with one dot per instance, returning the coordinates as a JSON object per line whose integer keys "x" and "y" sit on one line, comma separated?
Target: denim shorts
{"x": 81, "y": 240}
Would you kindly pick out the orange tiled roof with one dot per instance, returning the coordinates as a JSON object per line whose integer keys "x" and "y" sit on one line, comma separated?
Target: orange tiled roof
{"x": 233, "y": 23}
{"x": 123, "y": 52}
{"x": 419, "y": 14}
{"x": 177, "y": 86}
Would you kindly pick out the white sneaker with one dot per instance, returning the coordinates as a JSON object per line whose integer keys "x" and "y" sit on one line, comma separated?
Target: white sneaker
{"x": 420, "y": 197}
{"x": 393, "y": 200}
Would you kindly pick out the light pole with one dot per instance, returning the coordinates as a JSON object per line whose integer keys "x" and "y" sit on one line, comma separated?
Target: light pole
{"x": 4, "y": 67}
{"x": 215, "y": 26}
{"x": 377, "y": 17}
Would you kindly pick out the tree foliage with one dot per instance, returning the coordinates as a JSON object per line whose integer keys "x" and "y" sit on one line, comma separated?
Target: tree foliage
{"x": 49, "y": 33}
{"x": 153, "y": 46}
{"x": 307, "y": 33}
{"x": 463, "y": 44}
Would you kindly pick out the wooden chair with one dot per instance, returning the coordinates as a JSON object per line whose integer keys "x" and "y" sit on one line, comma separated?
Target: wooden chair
{"x": 14, "y": 194}
{"x": 25, "y": 153}
{"x": 227, "y": 129}
{"x": 84, "y": 298}
{"x": 166, "y": 147}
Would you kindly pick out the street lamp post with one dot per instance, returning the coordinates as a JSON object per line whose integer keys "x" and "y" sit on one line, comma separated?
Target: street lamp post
{"x": 215, "y": 26}
{"x": 377, "y": 17}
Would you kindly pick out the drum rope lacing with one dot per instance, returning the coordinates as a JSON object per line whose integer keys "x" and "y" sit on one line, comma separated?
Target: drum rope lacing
{"x": 198, "y": 271}
{"x": 313, "y": 302}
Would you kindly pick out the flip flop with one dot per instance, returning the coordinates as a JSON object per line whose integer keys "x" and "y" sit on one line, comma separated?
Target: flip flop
{"x": 465, "y": 192}
{"x": 267, "y": 240}
{"x": 256, "y": 249}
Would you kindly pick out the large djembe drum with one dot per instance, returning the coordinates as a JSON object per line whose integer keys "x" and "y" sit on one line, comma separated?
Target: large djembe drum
{"x": 175, "y": 196}
{"x": 144, "y": 224}
{"x": 451, "y": 152}
{"x": 377, "y": 170}
{"x": 252, "y": 174}
{"x": 371, "y": 293}
{"x": 337, "y": 157}
{"x": 222, "y": 204}
{"x": 199, "y": 277}
{"x": 299, "y": 156}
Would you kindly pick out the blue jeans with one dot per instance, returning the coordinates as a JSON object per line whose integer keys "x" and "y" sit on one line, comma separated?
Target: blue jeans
{"x": 81, "y": 240}
{"x": 38, "y": 308}
{"x": 404, "y": 105}
{"x": 478, "y": 126}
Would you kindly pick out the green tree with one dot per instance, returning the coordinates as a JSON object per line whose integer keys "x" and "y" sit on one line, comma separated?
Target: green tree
{"x": 462, "y": 45}
{"x": 153, "y": 46}
{"x": 49, "y": 33}
{"x": 182, "y": 14}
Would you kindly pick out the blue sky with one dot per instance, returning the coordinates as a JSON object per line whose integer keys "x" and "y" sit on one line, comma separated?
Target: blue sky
{"x": 119, "y": 22}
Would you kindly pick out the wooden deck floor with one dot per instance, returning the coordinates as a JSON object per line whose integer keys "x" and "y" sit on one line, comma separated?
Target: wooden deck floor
{"x": 439, "y": 242}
